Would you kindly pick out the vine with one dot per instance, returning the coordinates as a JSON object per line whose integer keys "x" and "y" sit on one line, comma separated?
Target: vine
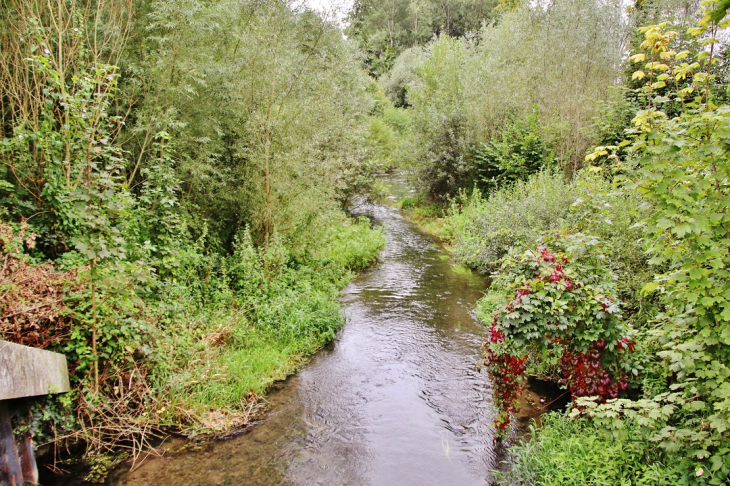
{"x": 561, "y": 299}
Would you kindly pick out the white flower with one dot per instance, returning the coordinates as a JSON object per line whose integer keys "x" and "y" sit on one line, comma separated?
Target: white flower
{"x": 699, "y": 472}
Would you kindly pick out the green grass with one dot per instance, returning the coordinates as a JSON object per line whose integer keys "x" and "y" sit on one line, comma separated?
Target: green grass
{"x": 573, "y": 452}
{"x": 220, "y": 358}
{"x": 430, "y": 217}
{"x": 229, "y": 376}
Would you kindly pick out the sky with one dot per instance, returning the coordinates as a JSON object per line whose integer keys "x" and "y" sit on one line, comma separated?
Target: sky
{"x": 336, "y": 8}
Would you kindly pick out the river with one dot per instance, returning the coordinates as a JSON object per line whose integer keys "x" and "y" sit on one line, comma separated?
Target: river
{"x": 397, "y": 399}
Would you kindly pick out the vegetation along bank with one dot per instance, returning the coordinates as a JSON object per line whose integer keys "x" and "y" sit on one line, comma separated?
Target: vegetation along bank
{"x": 175, "y": 178}
{"x": 174, "y": 186}
{"x": 591, "y": 180}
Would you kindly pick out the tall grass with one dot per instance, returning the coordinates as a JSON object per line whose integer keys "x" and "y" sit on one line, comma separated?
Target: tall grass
{"x": 278, "y": 307}
{"x": 572, "y": 452}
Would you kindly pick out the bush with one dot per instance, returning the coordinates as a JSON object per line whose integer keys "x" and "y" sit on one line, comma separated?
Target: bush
{"x": 515, "y": 217}
{"x": 565, "y": 451}
{"x": 561, "y": 301}
{"x": 683, "y": 175}
{"x": 521, "y": 152}
{"x": 402, "y": 75}
{"x": 274, "y": 308}
{"x": 512, "y": 217}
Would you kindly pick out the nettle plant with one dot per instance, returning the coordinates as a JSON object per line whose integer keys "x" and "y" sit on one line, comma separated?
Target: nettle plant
{"x": 562, "y": 302}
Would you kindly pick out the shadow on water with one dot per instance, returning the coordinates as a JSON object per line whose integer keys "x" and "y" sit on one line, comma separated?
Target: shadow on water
{"x": 397, "y": 399}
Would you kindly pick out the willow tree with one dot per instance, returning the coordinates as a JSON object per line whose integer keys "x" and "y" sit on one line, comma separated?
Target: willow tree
{"x": 560, "y": 59}
{"x": 261, "y": 102}
{"x": 384, "y": 30}
{"x": 554, "y": 61}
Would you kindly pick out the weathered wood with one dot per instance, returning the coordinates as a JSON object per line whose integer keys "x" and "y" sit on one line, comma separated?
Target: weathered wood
{"x": 11, "y": 473}
{"x": 27, "y": 459}
{"x": 27, "y": 372}
{"x": 24, "y": 372}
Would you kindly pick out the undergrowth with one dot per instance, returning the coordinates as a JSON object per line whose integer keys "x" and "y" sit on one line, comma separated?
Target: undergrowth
{"x": 193, "y": 351}
{"x": 566, "y": 451}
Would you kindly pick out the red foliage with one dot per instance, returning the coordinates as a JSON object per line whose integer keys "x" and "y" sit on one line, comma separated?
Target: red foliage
{"x": 507, "y": 372}
{"x": 584, "y": 373}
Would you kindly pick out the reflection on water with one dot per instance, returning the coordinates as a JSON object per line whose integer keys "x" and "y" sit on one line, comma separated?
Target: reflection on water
{"x": 396, "y": 400}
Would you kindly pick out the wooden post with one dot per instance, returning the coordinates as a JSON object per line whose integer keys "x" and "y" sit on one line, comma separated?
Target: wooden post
{"x": 24, "y": 372}
{"x": 27, "y": 459}
{"x": 11, "y": 473}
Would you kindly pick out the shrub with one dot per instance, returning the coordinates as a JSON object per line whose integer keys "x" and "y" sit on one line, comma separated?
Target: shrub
{"x": 512, "y": 217}
{"x": 402, "y": 75}
{"x": 519, "y": 153}
{"x": 684, "y": 175}
{"x": 559, "y": 299}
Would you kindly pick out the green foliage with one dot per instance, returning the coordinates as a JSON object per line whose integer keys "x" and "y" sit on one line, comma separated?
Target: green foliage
{"x": 565, "y": 451}
{"x": 281, "y": 306}
{"x": 567, "y": 296}
{"x": 385, "y": 30}
{"x": 468, "y": 88}
{"x": 515, "y": 216}
{"x": 266, "y": 135}
{"x": 388, "y": 134}
{"x": 558, "y": 302}
{"x": 684, "y": 176}
{"x": 614, "y": 117}
{"x": 116, "y": 314}
{"x": 403, "y": 74}
{"x": 520, "y": 153}
{"x": 187, "y": 164}
{"x": 67, "y": 168}
{"x": 442, "y": 147}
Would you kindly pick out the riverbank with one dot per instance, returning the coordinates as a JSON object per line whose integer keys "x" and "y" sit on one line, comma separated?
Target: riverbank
{"x": 211, "y": 354}
{"x": 542, "y": 393}
{"x": 431, "y": 218}
{"x": 397, "y": 395}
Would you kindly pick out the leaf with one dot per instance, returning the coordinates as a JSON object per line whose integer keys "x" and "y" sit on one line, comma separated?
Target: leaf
{"x": 650, "y": 287}
{"x": 638, "y": 75}
{"x": 697, "y": 405}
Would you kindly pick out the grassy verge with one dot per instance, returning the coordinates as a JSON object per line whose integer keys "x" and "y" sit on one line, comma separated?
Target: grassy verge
{"x": 432, "y": 218}
{"x": 192, "y": 349}
{"x": 284, "y": 308}
{"x": 568, "y": 451}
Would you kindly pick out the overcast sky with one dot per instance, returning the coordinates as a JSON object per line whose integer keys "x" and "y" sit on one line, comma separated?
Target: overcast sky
{"x": 337, "y": 8}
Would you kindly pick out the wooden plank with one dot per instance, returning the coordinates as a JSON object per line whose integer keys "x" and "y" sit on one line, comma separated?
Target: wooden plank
{"x": 27, "y": 372}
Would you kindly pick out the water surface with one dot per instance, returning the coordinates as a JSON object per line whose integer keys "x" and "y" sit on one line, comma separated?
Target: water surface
{"x": 397, "y": 399}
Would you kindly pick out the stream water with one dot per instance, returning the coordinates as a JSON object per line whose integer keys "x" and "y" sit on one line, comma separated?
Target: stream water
{"x": 397, "y": 399}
